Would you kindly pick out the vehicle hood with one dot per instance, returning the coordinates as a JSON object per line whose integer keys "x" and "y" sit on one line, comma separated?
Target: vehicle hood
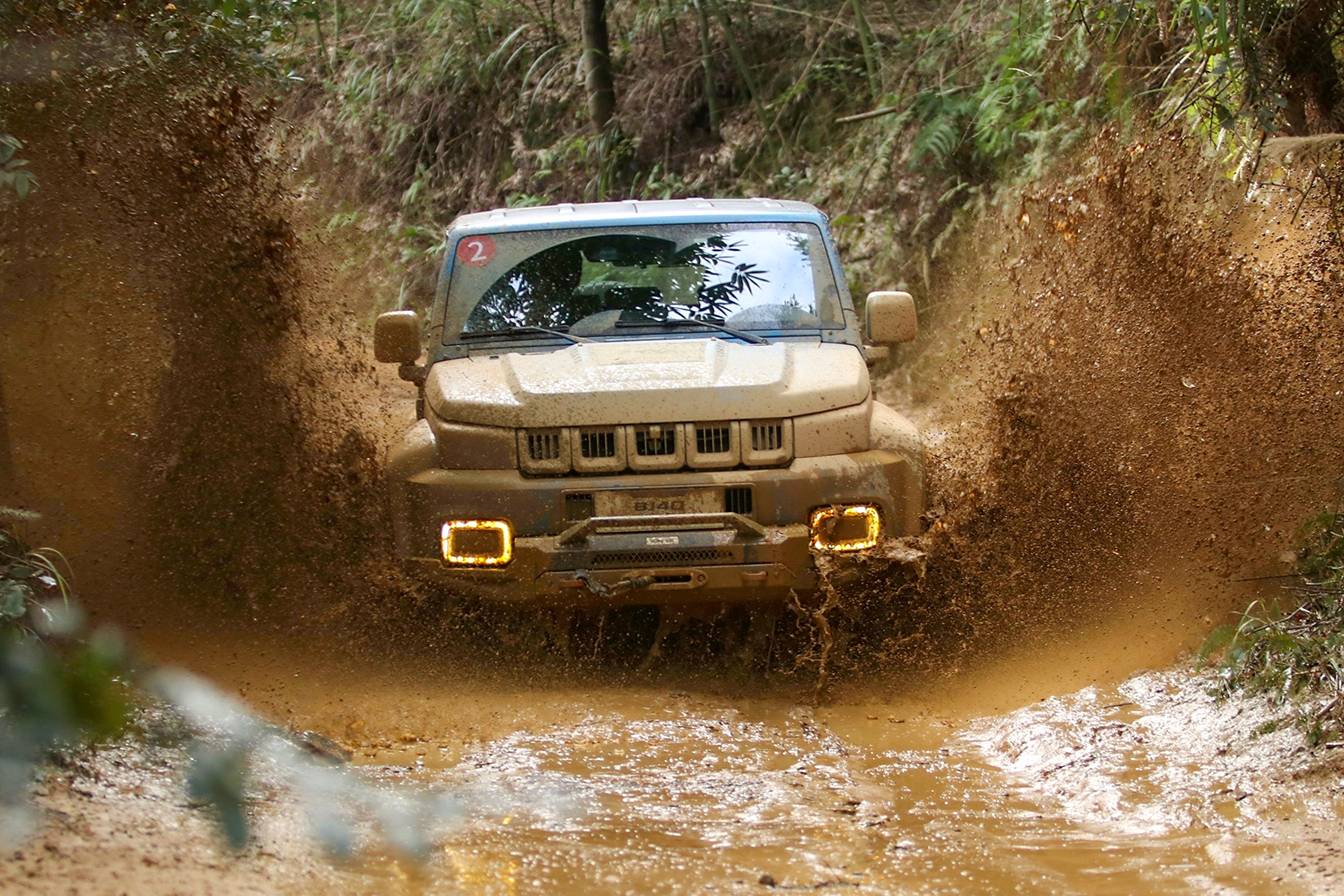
{"x": 648, "y": 381}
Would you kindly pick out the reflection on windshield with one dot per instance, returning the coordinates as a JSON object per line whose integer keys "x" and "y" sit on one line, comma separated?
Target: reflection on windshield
{"x": 748, "y": 276}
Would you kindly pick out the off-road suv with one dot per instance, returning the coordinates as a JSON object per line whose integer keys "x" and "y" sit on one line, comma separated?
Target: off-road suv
{"x": 647, "y": 402}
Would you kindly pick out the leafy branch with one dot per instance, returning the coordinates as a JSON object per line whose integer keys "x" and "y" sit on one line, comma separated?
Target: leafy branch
{"x": 14, "y": 172}
{"x": 63, "y": 687}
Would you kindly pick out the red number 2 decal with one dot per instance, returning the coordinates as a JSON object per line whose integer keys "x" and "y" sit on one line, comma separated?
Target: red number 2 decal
{"x": 476, "y": 251}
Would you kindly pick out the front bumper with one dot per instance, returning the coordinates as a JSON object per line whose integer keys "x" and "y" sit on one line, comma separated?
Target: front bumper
{"x": 688, "y": 558}
{"x": 623, "y": 566}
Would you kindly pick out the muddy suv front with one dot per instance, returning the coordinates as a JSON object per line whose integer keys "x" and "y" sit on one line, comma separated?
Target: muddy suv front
{"x": 659, "y": 402}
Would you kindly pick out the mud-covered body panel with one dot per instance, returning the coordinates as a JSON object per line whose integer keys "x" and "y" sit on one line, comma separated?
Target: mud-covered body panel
{"x": 646, "y": 381}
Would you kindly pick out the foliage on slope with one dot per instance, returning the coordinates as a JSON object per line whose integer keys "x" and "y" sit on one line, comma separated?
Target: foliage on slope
{"x": 1297, "y": 657}
{"x": 425, "y": 108}
{"x": 434, "y": 106}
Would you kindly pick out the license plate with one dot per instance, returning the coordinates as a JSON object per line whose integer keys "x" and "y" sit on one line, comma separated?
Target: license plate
{"x": 651, "y": 502}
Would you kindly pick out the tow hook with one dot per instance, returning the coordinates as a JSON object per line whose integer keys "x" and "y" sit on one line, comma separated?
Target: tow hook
{"x": 624, "y": 585}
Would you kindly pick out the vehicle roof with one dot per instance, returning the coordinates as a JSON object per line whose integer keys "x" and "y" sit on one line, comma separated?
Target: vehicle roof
{"x": 636, "y": 211}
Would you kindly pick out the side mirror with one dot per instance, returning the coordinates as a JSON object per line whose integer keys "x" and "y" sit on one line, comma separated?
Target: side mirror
{"x": 889, "y": 318}
{"x": 396, "y": 337}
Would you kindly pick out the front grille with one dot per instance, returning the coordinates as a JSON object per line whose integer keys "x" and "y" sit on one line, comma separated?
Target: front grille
{"x": 714, "y": 438}
{"x": 737, "y": 499}
{"x": 656, "y": 441}
{"x": 767, "y": 436}
{"x": 681, "y": 557}
{"x": 543, "y": 444}
{"x": 597, "y": 443}
{"x": 655, "y": 447}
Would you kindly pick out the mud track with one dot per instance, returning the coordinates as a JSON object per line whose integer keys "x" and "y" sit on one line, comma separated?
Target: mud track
{"x": 582, "y": 784}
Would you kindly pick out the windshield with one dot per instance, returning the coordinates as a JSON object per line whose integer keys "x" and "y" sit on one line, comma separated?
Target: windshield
{"x": 594, "y": 281}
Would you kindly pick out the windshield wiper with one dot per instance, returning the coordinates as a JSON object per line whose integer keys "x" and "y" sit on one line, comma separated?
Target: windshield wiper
{"x": 692, "y": 322}
{"x": 506, "y": 331}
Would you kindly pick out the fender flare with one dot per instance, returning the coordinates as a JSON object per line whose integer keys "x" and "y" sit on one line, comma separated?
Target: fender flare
{"x": 892, "y": 431}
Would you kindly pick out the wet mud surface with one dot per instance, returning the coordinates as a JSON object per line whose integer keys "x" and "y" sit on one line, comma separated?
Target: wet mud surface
{"x": 689, "y": 782}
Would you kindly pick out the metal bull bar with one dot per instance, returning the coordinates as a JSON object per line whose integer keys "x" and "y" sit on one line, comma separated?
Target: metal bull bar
{"x": 652, "y": 522}
{"x": 662, "y": 521}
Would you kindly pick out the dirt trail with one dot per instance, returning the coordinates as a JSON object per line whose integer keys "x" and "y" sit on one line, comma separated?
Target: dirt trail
{"x": 581, "y": 783}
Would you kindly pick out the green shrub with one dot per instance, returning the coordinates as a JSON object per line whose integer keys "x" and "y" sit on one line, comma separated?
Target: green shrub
{"x": 14, "y": 173}
{"x": 1295, "y": 653}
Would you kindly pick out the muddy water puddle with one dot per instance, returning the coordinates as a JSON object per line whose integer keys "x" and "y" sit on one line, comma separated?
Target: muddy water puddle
{"x": 654, "y": 786}
{"x": 649, "y": 794}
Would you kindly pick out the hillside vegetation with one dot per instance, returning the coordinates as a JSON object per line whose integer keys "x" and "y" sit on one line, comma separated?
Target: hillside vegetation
{"x": 431, "y": 107}
{"x": 426, "y": 108}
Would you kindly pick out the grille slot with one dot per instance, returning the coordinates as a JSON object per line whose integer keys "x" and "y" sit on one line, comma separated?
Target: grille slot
{"x": 715, "y": 446}
{"x": 656, "y": 441}
{"x": 579, "y": 506}
{"x": 543, "y": 444}
{"x": 767, "y": 436}
{"x": 737, "y": 499}
{"x": 611, "y": 559}
{"x": 767, "y": 442}
{"x": 656, "y": 446}
{"x": 597, "y": 443}
{"x": 715, "y": 438}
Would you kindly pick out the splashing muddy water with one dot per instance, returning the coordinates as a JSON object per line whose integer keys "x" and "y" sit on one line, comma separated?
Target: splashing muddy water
{"x": 1136, "y": 366}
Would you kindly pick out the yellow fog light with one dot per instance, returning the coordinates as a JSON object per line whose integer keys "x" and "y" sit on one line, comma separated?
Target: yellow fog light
{"x": 845, "y": 528}
{"x": 477, "y": 542}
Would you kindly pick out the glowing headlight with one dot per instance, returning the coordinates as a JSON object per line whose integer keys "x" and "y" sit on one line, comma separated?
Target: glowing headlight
{"x": 845, "y": 528}
{"x": 477, "y": 542}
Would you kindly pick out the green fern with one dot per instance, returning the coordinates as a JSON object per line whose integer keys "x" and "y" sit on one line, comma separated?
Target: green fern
{"x": 14, "y": 172}
{"x": 937, "y": 140}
